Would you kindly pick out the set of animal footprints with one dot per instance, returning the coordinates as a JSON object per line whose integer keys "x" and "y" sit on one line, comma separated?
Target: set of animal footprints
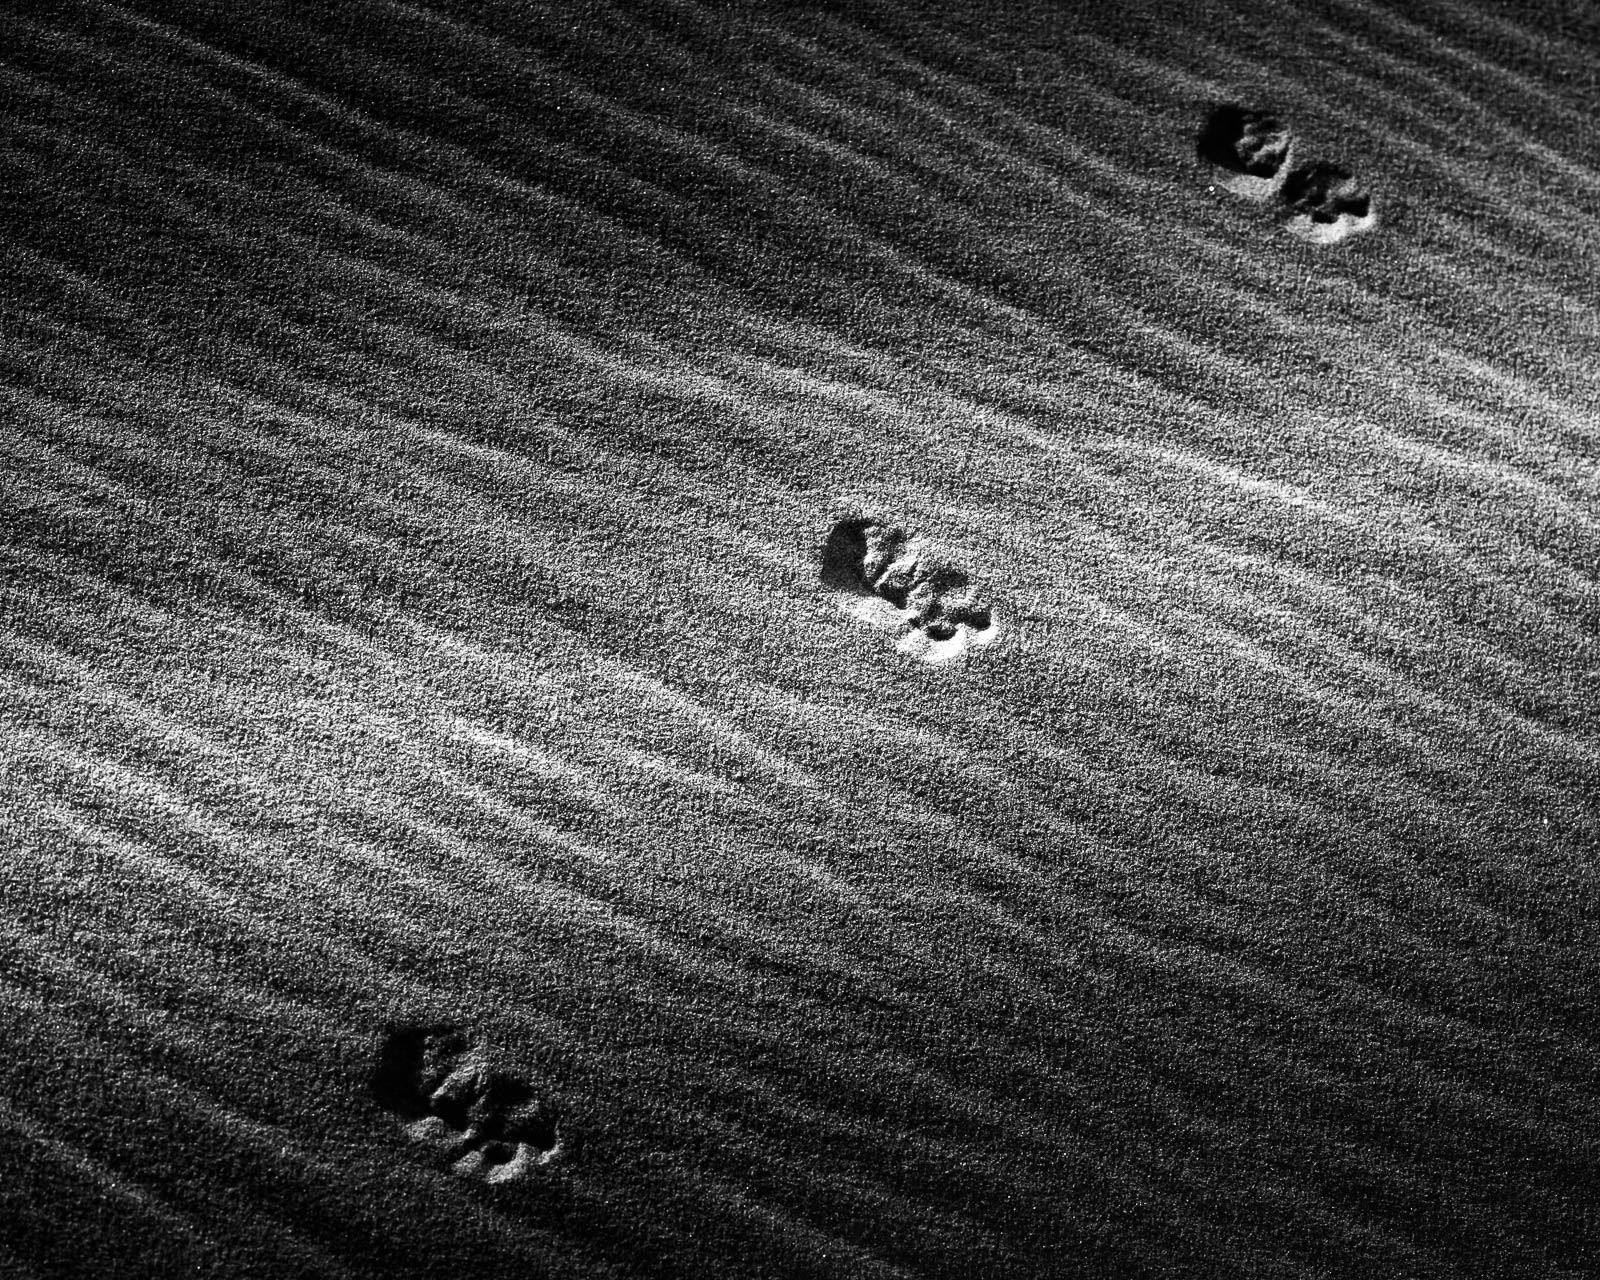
{"x": 1325, "y": 203}
{"x": 886, "y": 576}
{"x": 490, "y": 1125}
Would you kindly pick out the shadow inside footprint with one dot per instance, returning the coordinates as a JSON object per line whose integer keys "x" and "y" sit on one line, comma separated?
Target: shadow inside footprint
{"x": 1251, "y": 147}
{"x": 412, "y": 1064}
{"x": 861, "y": 555}
{"x": 439, "y": 1083}
{"x": 844, "y": 557}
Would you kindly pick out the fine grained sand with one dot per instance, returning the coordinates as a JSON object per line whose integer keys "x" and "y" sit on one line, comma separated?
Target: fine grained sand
{"x": 452, "y": 828}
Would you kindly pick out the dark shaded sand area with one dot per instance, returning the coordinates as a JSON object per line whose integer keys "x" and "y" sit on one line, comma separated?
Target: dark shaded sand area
{"x": 465, "y": 812}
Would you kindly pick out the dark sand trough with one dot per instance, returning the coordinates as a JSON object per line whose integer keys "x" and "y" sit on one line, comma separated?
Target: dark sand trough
{"x": 450, "y": 826}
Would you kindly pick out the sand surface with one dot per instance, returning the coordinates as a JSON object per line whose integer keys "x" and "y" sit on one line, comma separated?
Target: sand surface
{"x": 846, "y": 640}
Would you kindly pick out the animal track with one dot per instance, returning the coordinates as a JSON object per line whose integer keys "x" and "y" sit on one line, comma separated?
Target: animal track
{"x": 888, "y": 577}
{"x": 1325, "y": 203}
{"x": 1251, "y": 147}
{"x": 490, "y": 1125}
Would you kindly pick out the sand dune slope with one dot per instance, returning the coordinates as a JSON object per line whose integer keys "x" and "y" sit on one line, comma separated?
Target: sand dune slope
{"x": 840, "y": 640}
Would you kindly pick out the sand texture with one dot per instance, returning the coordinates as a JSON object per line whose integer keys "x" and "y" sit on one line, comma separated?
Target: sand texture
{"x": 800, "y": 640}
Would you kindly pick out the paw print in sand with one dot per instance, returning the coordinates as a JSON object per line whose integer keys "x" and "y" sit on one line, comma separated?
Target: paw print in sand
{"x": 885, "y": 576}
{"x": 488, "y": 1124}
{"x": 1325, "y": 203}
{"x": 1252, "y": 149}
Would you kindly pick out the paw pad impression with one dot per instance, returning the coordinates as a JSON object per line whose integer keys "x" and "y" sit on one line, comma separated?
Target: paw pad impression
{"x": 440, "y": 1084}
{"x": 886, "y": 576}
{"x": 1326, "y": 202}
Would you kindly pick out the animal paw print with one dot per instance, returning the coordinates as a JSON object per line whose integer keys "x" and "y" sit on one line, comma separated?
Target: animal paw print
{"x": 490, "y": 1125}
{"x": 1324, "y": 202}
{"x": 1251, "y": 148}
{"x": 889, "y": 578}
